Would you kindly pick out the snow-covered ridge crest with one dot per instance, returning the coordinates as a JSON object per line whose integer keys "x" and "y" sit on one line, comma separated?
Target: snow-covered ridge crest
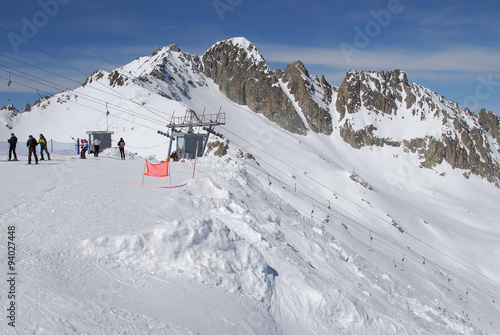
{"x": 8, "y": 115}
{"x": 383, "y": 109}
{"x": 168, "y": 71}
{"x": 370, "y": 108}
{"x": 249, "y": 48}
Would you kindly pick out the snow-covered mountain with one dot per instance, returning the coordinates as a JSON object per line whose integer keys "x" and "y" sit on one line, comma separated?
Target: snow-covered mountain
{"x": 324, "y": 196}
{"x": 7, "y": 115}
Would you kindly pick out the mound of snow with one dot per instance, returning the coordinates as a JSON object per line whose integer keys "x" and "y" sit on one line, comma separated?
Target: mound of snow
{"x": 203, "y": 250}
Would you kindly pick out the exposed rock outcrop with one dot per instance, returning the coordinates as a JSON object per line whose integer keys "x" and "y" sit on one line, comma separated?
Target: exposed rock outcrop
{"x": 243, "y": 76}
{"x": 456, "y": 137}
{"x": 376, "y": 91}
{"x": 8, "y": 115}
{"x": 489, "y": 122}
{"x": 309, "y": 93}
{"x": 370, "y": 108}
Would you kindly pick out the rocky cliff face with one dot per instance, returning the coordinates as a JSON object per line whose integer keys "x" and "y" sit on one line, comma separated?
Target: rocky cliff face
{"x": 441, "y": 131}
{"x": 489, "y": 122}
{"x": 312, "y": 95}
{"x": 8, "y": 115}
{"x": 368, "y": 109}
{"x": 243, "y": 76}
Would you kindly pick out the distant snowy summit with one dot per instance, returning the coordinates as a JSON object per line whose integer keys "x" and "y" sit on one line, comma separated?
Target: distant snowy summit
{"x": 8, "y": 115}
{"x": 368, "y": 108}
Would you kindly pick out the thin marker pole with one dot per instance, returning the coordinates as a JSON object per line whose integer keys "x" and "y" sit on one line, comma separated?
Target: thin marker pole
{"x": 143, "y": 173}
{"x": 195, "y": 156}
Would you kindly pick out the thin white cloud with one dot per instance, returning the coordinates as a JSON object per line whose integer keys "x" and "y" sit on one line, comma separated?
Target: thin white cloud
{"x": 462, "y": 60}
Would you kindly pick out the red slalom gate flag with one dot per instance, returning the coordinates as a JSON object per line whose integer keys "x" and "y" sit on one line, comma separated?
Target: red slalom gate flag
{"x": 157, "y": 170}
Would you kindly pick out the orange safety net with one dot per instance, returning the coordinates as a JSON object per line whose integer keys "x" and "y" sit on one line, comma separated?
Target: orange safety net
{"x": 157, "y": 170}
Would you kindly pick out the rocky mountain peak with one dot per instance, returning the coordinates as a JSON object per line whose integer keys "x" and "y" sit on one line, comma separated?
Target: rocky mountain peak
{"x": 8, "y": 114}
{"x": 490, "y": 123}
{"x": 312, "y": 96}
{"x": 245, "y": 47}
{"x": 370, "y": 108}
{"x": 243, "y": 76}
{"x": 376, "y": 91}
{"x": 418, "y": 120}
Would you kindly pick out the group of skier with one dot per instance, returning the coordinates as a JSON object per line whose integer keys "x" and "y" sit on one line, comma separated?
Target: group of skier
{"x": 84, "y": 145}
{"x": 31, "y": 144}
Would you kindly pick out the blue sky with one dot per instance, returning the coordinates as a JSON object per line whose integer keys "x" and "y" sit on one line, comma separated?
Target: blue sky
{"x": 450, "y": 46}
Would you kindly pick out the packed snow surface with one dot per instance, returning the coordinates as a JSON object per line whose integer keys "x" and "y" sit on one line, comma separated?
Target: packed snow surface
{"x": 98, "y": 253}
{"x": 285, "y": 234}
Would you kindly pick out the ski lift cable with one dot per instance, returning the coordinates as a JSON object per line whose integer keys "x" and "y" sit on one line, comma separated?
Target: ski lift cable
{"x": 320, "y": 203}
{"x": 63, "y": 34}
{"x": 75, "y": 81}
{"x": 79, "y": 122}
{"x": 390, "y": 241}
{"x": 53, "y": 122}
{"x": 487, "y": 294}
{"x": 348, "y": 216}
{"x": 353, "y": 222}
{"x": 370, "y": 212}
{"x": 98, "y": 110}
{"x": 61, "y": 87}
{"x": 35, "y": 89}
{"x": 308, "y": 177}
{"x": 92, "y": 99}
{"x": 81, "y": 72}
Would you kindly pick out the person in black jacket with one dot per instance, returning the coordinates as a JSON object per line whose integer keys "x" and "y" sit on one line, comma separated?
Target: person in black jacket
{"x": 12, "y": 146}
{"x": 31, "y": 144}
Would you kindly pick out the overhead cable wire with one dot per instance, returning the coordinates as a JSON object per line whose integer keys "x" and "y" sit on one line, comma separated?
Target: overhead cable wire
{"x": 85, "y": 96}
{"x": 97, "y": 110}
{"x": 75, "y": 81}
{"x": 52, "y": 121}
{"x": 357, "y": 205}
{"x": 63, "y": 34}
{"x": 86, "y": 75}
{"x": 465, "y": 283}
{"x": 401, "y": 247}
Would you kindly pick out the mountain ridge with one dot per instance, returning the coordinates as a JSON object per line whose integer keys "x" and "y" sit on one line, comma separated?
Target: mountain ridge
{"x": 367, "y": 109}
{"x": 336, "y": 197}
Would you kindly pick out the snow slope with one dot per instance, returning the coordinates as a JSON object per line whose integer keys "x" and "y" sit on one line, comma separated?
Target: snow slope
{"x": 218, "y": 254}
{"x": 273, "y": 238}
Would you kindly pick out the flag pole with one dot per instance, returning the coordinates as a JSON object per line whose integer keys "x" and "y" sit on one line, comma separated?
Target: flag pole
{"x": 168, "y": 171}
{"x": 195, "y": 156}
{"x": 144, "y": 172}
